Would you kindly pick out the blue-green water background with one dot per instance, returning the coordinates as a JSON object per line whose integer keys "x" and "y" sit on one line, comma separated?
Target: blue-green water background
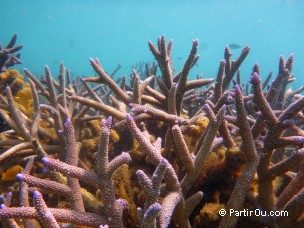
{"x": 117, "y": 32}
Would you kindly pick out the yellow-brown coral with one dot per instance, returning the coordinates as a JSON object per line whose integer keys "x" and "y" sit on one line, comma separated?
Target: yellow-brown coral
{"x": 20, "y": 89}
{"x": 25, "y": 99}
{"x": 209, "y": 214}
{"x": 14, "y": 79}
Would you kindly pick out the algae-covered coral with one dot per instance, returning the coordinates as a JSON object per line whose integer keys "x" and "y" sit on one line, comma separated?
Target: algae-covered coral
{"x": 98, "y": 153}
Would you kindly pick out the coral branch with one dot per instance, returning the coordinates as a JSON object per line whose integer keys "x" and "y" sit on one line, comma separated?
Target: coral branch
{"x": 44, "y": 214}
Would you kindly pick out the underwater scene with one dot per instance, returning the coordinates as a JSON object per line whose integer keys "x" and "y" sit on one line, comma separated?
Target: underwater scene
{"x": 152, "y": 113}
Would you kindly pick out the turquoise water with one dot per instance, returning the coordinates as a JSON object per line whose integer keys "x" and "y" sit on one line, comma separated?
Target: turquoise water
{"x": 117, "y": 32}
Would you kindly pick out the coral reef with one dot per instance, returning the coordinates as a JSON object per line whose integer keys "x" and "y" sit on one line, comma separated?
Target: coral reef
{"x": 160, "y": 151}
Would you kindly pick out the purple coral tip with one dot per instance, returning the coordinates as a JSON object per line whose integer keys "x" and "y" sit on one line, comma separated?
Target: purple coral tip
{"x": 44, "y": 160}
{"x": 122, "y": 203}
{"x": 20, "y": 177}
{"x": 45, "y": 170}
{"x": 237, "y": 88}
{"x": 37, "y": 194}
{"x": 153, "y": 211}
{"x": 109, "y": 122}
{"x": 9, "y": 194}
{"x": 139, "y": 172}
{"x": 128, "y": 116}
{"x": 67, "y": 122}
{"x": 255, "y": 76}
{"x": 164, "y": 161}
{"x": 206, "y": 107}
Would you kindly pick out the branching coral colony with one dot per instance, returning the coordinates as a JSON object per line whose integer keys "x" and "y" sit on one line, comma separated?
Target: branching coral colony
{"x": 97, "y": 154}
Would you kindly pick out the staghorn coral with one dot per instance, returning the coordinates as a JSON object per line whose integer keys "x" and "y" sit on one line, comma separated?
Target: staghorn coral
{"x": 7, "y": 58}
{"x": 154, "y": 147}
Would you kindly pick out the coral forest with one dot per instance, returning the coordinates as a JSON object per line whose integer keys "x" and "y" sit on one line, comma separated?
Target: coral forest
{"x": 152, "y": 148}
